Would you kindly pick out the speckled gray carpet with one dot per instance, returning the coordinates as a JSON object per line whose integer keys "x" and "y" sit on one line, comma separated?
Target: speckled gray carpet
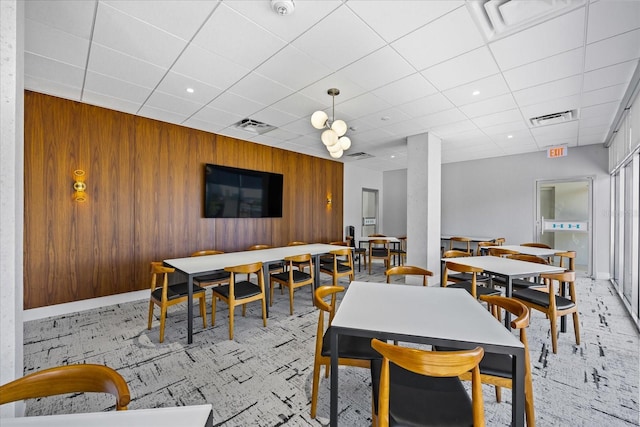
{"x": 263, "y": 377}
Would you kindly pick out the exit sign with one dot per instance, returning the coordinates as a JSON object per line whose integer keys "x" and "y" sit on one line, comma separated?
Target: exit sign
{"x": 553, "y": 152}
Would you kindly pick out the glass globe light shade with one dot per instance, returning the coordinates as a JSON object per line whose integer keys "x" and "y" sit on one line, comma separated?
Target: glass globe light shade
{"x": 329, "y": 137}
{"x": 319, "y": 119}
{"x": 337, "y": 154}
{"x": 345, "y": 143}
{"x": 334, "y": 148}
{"x": 340, "y": 127}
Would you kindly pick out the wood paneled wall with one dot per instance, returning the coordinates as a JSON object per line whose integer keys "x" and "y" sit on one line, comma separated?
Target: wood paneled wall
{"x": 145, "y": 198}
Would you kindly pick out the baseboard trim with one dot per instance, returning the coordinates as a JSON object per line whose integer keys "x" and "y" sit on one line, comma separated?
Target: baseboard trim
{"x": 72, "y": 307}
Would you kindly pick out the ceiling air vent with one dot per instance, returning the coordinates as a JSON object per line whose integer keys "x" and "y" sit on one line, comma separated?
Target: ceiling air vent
{"x": 555, "y": 118}
{"x": 359, "y": 155}
{"x": 253, "y": 126}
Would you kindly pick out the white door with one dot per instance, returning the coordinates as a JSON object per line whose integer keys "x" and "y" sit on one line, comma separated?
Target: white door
{"x": 369, "y": 211}
{"x": 564, "y": 218}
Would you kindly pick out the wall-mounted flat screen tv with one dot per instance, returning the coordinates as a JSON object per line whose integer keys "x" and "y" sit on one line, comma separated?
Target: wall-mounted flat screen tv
{"x": 241, "y": 193}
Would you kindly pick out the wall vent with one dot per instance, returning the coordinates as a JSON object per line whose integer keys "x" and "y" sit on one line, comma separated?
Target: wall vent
{"x": 498, "y": 18}
{"x": 359, "y": 155}
{"x": 555, "y": 118}
{"x": 253, "y": 126}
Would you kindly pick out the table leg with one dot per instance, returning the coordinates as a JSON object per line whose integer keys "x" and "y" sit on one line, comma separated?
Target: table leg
{"x": 508, "y": 292}
{"x": 518, "y": 396}
{"x": 563, "y": 319}
{"x": 333, "y": 412}
{"x": 316, "y": 271}
{"x": 190, "y": 310}
{"x": 267, "y": 284}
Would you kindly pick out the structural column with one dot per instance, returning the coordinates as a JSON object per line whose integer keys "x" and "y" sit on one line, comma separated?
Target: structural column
{"x": 424, "y": 176}
{"x": 11, "y": 194}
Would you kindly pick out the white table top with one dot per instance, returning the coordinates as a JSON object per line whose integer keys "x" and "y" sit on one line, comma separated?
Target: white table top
{"x": 507, "y": 267}
{"x": 389, "y": 239}
{"x": 418, "y": 311}
{"x": 473, "y": 238}
{"x": 203, "y": 264}
{"x": 530, "y": 250}
{"x": 195, "y": 416}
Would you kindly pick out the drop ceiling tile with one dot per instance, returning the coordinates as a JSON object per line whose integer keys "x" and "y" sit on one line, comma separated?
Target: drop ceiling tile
{"x": 614, "y": 50}
{"x": 219, "y": 118}
{"x": 596, "y": 130}
{"x": 50, "y": 42}
{"x": 548, "y": 91}
{"x": 109, "y": 62}
{"x": 181, "y": 18}
{"x": 236, "y": 105}
{"x": 260, "y": 89}
{"x": 391, "y": 116}
{"x": 609, "y": 76}
{"x": 591, "y": 139}
{"x": 462, "y": 69}
{"x": 318, "y": 90}
{"x": 488, "y": 87}
{"x": 546, "y": 70}
{"x": 599, "y": 120}
{"x": 608, "y": 109}
{"x": 293, "y": 68}
{"x": 604, "y": 95}
{"x": 135, "y": 38}
{"x": 208, "y": 67}
{"x": 507, "y": 128}
{"x": 610, "y": 18}
{"x": 378, "y": 69}
{"x": 288, "y": 27}
{"x": 274, "y": 117}
{"x": 489, "y": 106}
{"x": 557, "y": 105}
{"x": 498, "y": 118}
{"x": 363, "y": 105}
{"x": 232, "y": 36}
{"x": 110, "y": 102}
{"x": 117, "y": 89}
{"x": 549, "y": 38}
{"x": 406, "y": 89}
{"x": 302, "y": 127}
{"x": 339, "y": 39}
{"x": 394, "y": 18}
{"x": 406, "y": 128}
{"x": 555, "y": 132}
{"x": 451, "y": 129}
{"x": 162, "y": 115}
{"x": 514, "y": 138}
{"x": 299, "y": 105}
{"x": 71, "y": 16}
{"x": 422, "y": 49}
{"x": 165, "y": 102}
{"x": 427, "y": 105}
{"x": 51, "y": 87}
{"x": 58, "y": 72}
{"x": 177, "y": 84}
{"x": 203, "y": 125}
{"x": 441, "y": 118}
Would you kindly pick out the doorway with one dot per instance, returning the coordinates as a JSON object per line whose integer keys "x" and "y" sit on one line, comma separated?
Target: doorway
{"x": 564, "y": 218}
{"x": 369, "y": 211}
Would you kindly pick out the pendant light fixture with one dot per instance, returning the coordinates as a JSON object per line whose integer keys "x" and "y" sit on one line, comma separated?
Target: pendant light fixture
{"x": 333, "y": 137}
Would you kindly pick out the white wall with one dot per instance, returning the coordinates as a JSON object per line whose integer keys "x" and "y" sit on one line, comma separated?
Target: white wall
{"x": 355, "y": 179}
{"x": 394, "y": 205}
{"x": 496, "y": 197}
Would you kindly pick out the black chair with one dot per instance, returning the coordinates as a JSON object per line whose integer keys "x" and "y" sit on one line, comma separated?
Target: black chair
{"x": 361, "y": 253}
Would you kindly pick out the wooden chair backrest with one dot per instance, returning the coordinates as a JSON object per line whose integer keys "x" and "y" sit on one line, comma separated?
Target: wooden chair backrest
{"x": 571, "y": 256}
{"x": 78, "y": 378}
{"x": 329, "y": 307}
{"x": 377, "y": 235}
{"x": 408, "y": 270}
{"x": 465, "y": 240}
{"x": 296, "y": 243}
{"x": 454, "y": 253}
{"x": 500, "y": 241}
{"x": 528, "y": 258}
{"x": 339, "y": 243}
{"x": 501, "y": 252}
{"x": 159, "y": 270}
{"x": 258, "y": 247}
{"x": 451, "y": 265}
{"x": 536, "y": 245}
{"x": 484, "y": 245}
{"x": 433, "y": 364}
{"x": 207, "y": 252}
{"x": 519, "y": 311}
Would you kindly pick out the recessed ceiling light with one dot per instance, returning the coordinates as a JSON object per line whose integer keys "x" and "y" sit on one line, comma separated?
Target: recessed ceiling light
{"x": 393, "y": 156}
{"x": 475, "y": 92}
{"x": 509, "y": 136}
{"x": 190, "y": 90}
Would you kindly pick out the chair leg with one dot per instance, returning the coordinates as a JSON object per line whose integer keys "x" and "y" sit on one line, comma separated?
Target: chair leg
{"x": 314, "y": 388}
{"x": 528, "y": 402}
{"x": 163, "y": 316}
{"x": 290, "y": 299}
{"x": 150, "y": 314}
{"x": 271, "y": 292}
{"x": 203, "y": 309}
{"x": 576, "y": 327}
{"x": 554, "y": 334}
{"x": 498, "y": 393}
{"x": 264, "y": 312}
{"x": 214, "y": 301}
{"x": 244, "y": 310}
{"x": 231, "y": 310}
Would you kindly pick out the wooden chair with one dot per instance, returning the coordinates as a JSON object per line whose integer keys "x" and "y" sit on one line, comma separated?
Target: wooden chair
{"x": 379, "y": 249}
{"x": 79, "y": 378}
{"x": 571, "y": 258}
{"x": 461, "y": 277}
{"x": 341, "y": 265}
{"x": 297, "y": 243}
{"x": 328, "y": 258}
{"x": 552, "y": 305}
{"x": 500, "y": 241}
{"x": 165, "y": 296}
{"x": 213, "y": 279}
{"x": 522, "y": 283}
{"x": 360, "y": 252}
{"x": 497, "y": 369}
{"x": 240, "y": 293}
{"x": 470, "y": 286}
{"x": 377, "y": 235}
{"x": 502, "y": 252}
{"x": 418, "y": 387}
{"x": 408, "y": 270}
{"x": 277, "y": 267}
{"x": 352, "y": 350}
{"x": 482, "y": 246}
{"x": 291, "y": 278}
{"x": 536, "y": 245}
{"x": 465, "y": 244}
{"x": 401, "y": 251}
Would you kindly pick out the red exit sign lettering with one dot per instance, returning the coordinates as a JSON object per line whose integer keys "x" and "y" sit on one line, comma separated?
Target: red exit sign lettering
{"x": 553, "y": 152}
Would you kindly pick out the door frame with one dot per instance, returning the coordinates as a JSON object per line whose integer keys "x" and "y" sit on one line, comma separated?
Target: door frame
{"x": 537, "y": 223}
{"x": 377, "y": 208}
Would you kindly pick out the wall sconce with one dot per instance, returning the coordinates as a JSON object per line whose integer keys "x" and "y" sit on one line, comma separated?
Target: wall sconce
{"x": 329, "y": 200}
{"x": 79, "y": 186}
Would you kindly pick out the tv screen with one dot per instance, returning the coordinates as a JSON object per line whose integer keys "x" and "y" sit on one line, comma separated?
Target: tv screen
{"x": 241, "y": 193}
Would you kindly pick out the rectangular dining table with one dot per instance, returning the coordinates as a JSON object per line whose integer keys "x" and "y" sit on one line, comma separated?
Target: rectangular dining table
{"x": 530, "y": 250}
{"x": 426, "y": 315}
{"x": 506, "y": 268}
{"x": 201, "y": 265}
{"x": 187, "y": 416}
{"x": 392, "y": 240}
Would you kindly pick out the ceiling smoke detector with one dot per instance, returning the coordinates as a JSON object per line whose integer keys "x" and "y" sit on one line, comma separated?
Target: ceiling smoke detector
{"x": 283, "y": 7}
